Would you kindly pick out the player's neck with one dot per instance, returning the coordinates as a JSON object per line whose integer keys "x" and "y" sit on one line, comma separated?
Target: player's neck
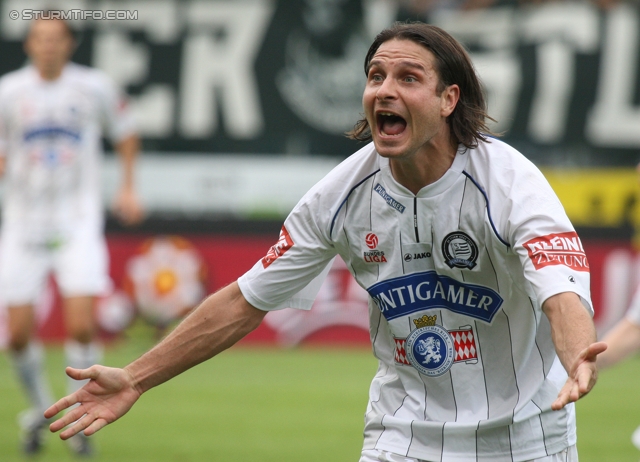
{"x": 423, "y": 167}
{"x": 50, "y": 72}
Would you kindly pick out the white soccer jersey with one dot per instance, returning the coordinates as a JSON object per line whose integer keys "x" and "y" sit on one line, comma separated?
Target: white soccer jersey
{"x": 51, "y": 133}
{"x": 457, "y": 275}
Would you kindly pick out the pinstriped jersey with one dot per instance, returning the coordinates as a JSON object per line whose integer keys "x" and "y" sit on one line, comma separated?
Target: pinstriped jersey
{"x": 457, "y": 275}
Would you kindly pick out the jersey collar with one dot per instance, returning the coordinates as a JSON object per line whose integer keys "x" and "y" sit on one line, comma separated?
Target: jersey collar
{"x": 440, "y": 186}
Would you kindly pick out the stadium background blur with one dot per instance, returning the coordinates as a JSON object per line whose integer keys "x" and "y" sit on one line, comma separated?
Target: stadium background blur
{"x": 242, "y": 106}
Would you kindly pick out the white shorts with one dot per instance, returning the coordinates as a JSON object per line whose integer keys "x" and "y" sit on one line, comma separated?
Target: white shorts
{"x": 78, "y": 260}
{"x": 568, "y": 455}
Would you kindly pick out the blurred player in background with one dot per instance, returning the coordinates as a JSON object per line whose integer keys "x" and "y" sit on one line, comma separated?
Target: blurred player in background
{"x": 480, "y": 311}
{"x": 53, "y": 114}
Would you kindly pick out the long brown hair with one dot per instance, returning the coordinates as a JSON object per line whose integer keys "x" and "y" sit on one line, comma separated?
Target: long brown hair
{"x": 453, "y": 65}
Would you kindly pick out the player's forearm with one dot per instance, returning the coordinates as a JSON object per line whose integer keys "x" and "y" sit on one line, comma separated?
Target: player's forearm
{"x": 128, "y": 149}
{"x": 572, "y": 328}
{"x": 218, "y": 323}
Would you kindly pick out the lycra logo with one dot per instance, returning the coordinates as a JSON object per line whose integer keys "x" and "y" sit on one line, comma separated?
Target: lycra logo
{"x": 422, "y": 291}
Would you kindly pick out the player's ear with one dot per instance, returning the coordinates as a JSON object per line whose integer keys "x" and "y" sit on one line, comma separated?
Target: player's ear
{"x": 449, "y": 99}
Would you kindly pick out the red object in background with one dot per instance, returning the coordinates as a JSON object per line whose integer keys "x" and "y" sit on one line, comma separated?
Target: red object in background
{"x": 228, "y": 257}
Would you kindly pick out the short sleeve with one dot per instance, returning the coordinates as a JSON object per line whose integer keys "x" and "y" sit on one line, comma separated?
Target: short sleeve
{"x": 118, "y": 119}
{"x": 294, "y": 268}
{"x": 548, "y": 246}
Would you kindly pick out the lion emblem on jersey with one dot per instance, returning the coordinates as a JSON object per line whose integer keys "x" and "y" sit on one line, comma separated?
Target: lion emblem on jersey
{"x": 430, "y": 349}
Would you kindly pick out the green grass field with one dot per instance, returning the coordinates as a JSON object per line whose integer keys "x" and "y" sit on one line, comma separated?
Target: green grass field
{"x": 261, "y": 405}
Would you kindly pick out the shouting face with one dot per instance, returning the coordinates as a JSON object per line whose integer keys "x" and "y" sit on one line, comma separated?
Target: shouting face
{"x": 404, "y": 103}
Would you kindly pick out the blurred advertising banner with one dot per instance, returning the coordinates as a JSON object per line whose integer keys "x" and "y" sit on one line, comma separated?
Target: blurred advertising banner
{"x": 160, "y": 278}
{"x": 192, "y": 187}
{"x": 286, "y": 77}
{"x": 599, "y": 198}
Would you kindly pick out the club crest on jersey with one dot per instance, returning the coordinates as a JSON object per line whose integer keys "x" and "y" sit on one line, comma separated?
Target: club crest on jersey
{"x": 429, "y": 348}
{"x": 373, "y": 255}
{"x": 279, "y": 248}
{"x": 459, "y": 250}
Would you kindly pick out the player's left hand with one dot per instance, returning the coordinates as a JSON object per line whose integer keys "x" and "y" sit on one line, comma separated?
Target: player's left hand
{"x": 127, "y": 207}
{"x": 582, "y": 376}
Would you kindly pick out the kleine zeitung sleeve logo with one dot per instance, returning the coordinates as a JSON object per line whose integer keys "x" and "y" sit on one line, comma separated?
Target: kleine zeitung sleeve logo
{"x": 557, "y": 249}
{"x": 279, "y": 248}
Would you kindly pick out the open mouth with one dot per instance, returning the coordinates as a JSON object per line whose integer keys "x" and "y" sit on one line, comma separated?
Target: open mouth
{"x": 390, "y": 124}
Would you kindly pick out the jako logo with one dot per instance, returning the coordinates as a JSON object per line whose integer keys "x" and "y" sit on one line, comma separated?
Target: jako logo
{"x": 371, "y": 240}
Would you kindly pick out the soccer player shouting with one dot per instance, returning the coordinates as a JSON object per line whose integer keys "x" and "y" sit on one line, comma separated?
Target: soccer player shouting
{"x": 480, "y": 312}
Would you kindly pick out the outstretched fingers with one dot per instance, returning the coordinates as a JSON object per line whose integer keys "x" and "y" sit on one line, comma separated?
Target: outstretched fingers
{"x": 594, "y": 350}
{"x": 582, "y": 378}
{"x": 79, "y": 421}
{"x": 565, "y": 395}
{"x": 70, "y": 417}
{"x": 91, "y": 373}
{"x": 96, "y": 425}
{"x": 89, "y": 423}
{"x": 70, "y": 400}
{"x": 107, "y": 396}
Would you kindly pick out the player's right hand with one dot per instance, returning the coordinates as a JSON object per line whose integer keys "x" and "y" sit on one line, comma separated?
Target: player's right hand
{"x": 107, "y": 396}
{"x": 127, "y": 207}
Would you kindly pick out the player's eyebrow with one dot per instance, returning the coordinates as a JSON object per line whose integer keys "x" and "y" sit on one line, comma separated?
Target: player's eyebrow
{"x": 409, "y": 64}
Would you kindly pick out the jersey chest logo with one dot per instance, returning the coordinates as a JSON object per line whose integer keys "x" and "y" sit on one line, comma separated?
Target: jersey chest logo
{"x": 421, "y": 291}
{"x": 432, "y": 350}
{"x": 373, "y": 255}
{"x": 388, "y": 199}
{"x": 459, "y": 250}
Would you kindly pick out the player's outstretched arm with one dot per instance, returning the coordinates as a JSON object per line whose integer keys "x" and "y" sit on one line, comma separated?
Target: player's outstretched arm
{"x": 574, "y": 337}
{"x": 218, "y": 323}
{"x": 623, "y": 339}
